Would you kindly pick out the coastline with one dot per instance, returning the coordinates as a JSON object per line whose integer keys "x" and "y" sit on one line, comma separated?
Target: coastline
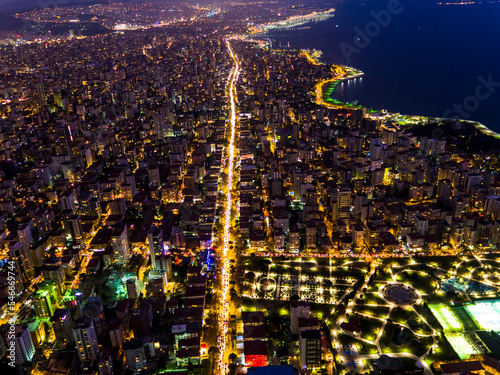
{"x": 291, "y": 22}
{"x": 324, "y": 90}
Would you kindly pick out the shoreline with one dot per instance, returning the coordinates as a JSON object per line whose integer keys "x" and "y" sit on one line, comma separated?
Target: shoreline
{"x": 291, "y": 22}
{"x": 327, "y": 87}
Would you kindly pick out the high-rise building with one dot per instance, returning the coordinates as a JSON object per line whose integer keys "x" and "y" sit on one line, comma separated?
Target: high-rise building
{"x": 311, "y": 231}
{"x": 37, "y": 332}
{"x": 299, "y": 180}
{"x": 471, "y": 236}
{"x": 372, "y": 236}
{"x": 444, "y": 189}
{"x": 43, "y": 304}
{"x": 89, "y": 159}
{"x": 472, "y": 180}
{"x": 55, "y": 272}
{"x": 135, "y": 356}
{"x": 72, "y": 301}
{"x": 119, "y": 241}
{"x": 359, "y": 200}
{"x": 105, "y": 362}
{"x": 62, "y": 326}
{"x": 457, "y": 207}
{"x": 132, "y": 288}
{"x": 294, "y": 239}
{"x": 154, "y": 176}
{"x": 140, "y": 322}
{"x": 484, "y": 228}
{"x": 116, "y": 333}
{"x": 158, "y": 125}
{"x": 67, "y": 200}
{"x": 63, "y": 138}
{"x": 165, "y": 263}
{"x": 421, "y": 224}
{"x": 276, "y": 187}
{"x": 298, "y": 309}
{"x": 311, "y": 196}
{"x": 75, "y": 228}
{"x": 177, "y": 237}
{"x": 46, "y": 298}
{"x": 438, "y": 147}
{"x": 148, "y": 211}
{"x": 40, "y": 92}
{"x": 157, "y": 280}
{"x": 456, "y": 235}
{"x": 344, "y": 202}
{"x": 169, "y": 129}
{"x": 130, "y": 188}
{"x": 23, "y": 344}
{"x": 24, "y": 234}
{"x": 358, "y": 235}
{"x": 310, "y": 349}
{"x": 279, "y": 239}
{"x": 118, "y": 206}
{"x": 155, "y": 239}
{"x": 19, "y": 253}
{"x": 85, "y": 339}
{"x": 95, "y": 310}
{"x": 95, "y": 206}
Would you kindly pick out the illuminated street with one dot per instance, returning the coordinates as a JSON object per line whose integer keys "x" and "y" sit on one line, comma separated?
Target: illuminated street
{"x": 225, "y": 274}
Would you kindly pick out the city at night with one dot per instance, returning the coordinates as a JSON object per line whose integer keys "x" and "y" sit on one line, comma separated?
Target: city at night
{"x": 285, "y": 187}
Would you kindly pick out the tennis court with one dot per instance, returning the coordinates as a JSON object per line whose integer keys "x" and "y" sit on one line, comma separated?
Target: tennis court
{"x": 446, "y": 318}
{"x": 461, "y": 344}
{"x": 486, "y": 314}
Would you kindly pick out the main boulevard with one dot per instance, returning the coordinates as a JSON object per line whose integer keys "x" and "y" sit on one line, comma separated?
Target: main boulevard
{"x": 225, "y": 252}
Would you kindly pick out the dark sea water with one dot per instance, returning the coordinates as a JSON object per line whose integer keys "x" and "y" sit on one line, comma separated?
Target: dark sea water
{"x": 427, "y": 60}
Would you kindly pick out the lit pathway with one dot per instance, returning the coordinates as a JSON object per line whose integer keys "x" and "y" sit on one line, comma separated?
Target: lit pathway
{"x": 381, "y": 330}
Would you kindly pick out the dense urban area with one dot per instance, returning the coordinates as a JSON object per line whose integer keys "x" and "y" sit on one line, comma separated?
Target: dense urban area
{"x": 177, "y": 197}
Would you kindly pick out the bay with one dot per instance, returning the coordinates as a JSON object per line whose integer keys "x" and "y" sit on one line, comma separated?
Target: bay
{"x": 429, "y": 59}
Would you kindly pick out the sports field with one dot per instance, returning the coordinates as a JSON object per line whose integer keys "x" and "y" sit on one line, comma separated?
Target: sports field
{"x": 486, "y": 314}
{"x": 446, "y": 318}
{"x": 461, "y": 344}
{"x": 483, "y": 314}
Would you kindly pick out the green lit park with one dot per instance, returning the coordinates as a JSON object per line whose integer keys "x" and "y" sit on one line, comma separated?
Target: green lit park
{"x": 421, "y": 310}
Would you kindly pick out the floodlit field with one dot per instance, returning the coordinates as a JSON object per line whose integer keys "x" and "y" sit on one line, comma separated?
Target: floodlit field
{"x": 486, "y": 314}
{"x": 445, "y": 316}
{"x": 460, "y": 344}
